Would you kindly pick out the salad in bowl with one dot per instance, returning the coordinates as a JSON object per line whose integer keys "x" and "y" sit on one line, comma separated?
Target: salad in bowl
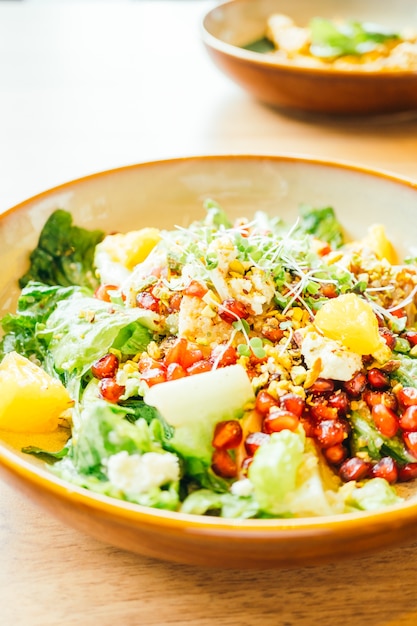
{"x": 240, "y": 368}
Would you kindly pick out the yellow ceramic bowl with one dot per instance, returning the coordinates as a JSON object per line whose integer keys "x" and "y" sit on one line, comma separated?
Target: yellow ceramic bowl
{"x": 171, "y": 192}
{"x": 229, "y": 26}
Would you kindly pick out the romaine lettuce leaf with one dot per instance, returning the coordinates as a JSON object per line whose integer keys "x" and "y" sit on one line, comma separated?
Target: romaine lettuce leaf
{"x": 322, "y": 224}
{"x": 64, "y": 254}
{"x": 82, "y": 329}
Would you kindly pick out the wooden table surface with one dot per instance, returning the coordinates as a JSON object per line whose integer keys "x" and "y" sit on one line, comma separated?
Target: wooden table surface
{"x": 86, "y": 86}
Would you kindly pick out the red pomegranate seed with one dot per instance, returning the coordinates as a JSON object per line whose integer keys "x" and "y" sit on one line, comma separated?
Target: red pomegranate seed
{"x": 388, "y": 336}
{"x": 175, "y": 371}
{"x": 410, "y": 440}
{"x": 292, "y": 403}
{"x": 264, "y": 402}
{"x": 254, "y": 440}
{"x": 378, "y": 379}
{"x": 103, "y": 292}
{"x": 339, "y": 401}
{"x": 385, "y": 468}
{"x": 195, "y": 289}
{"x": 279, "y": 419}
{"x": 321, "y": 385}
{"x": 145, "y": 300}
{"x": 385, "y": 420}
{"x": 356, "y": 385}
{"x": 407, "y": 472}
{"x": 322, "y": 411}
{"x": 408, "y": 396}
{"x": 223, "y": 465}
{"x": 353, "y": 469}
{"x": 106, "y": 367}
{"x": 408, "y": 420}
{"x": 335, "y": 454}
{"x": 380, "y": 397}
{"x": 110, "y": 390}
{"x": 329, "y": 433}
{"x": 227, "y": 435}
{"x": 411, "y": 336}
{"x": 232, "y": 310}
{"x": 154, "y": 376}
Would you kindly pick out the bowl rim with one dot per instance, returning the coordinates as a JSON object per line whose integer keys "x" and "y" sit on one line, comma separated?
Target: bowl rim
{"x": 31, "y": 473}
{"x": 266, "y": 61}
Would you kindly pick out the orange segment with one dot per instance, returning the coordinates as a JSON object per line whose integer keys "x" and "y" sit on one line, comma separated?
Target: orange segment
{"x": 350, "y": 320}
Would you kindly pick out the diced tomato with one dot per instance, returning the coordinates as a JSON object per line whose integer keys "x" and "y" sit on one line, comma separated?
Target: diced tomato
{"x": 176, "y": 353}
{"x": 175, "y": 371}
{"x": 145, "y": 300}
{"x": 175, "y": 302}
{"x": 232, "y": 310}
{"x": 199, "y": 367}
{"x": 110, "y": 390}
{"x": 223, "y": 356}
{"x": 154, "y": 376}
{"x": 195, "y": 289}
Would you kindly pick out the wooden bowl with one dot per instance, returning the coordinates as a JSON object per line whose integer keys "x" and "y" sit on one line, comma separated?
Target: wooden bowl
{"x": 172, "y": 192}
{"x": 229, "y": 26}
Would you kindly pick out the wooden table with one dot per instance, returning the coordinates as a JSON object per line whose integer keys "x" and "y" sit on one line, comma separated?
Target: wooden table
{"x": 86, "y": 86}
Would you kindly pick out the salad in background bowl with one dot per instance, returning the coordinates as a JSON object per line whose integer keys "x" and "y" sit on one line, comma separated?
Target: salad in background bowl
{"x": 343, "y": 58}
{"x": 243, "y": 366}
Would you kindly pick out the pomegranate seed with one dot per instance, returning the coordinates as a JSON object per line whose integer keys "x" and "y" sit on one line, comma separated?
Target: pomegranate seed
{"x": 103, "y": 292}
{"x": 321, "y": 385}
{"x": 106, "y": 367}
{"x": 154, "y": 376}
{"x": 385, "y": 420}
{"x": 378, "y": 379}
{"x": 110, "y": 390}
{"x": 223, "y": 465}
{"x": 329, "y": 433}
{"x": 264, "y": 402}
{"x": 145, "y": 300}
{"x": 411, "y": 336}
{"x": 353, "y": 469}
{"x": 199, "y": 367}
{"x": 335, "y": 454}
{"x": 278, "y": 420}
{"x": 293, "y": 403}
{"x": 356, "y": 385}
{"x": 407, "y": 472}
{"x": 380, "y": 397}
{"x": 175, "y": 371}
{"x": 195, "y": 289}
{"x": 227, "y": 435}
{"x": 408, "y": 396}
{"x": 385, "y": 468}
{"x": 254, "y": 440}
{"x": 410, "y": 440}
{"x": 223, "y": 355}
{"x": 339, "y": 401}
{"x": 322, "y": 411}
{"x": 233, "y": 310}
{"x": 408, "y": 420}
{"x": 388, "y": 336}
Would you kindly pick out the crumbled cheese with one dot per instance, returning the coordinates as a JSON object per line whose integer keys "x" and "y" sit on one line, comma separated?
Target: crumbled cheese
{"x": 135, "y": 474}
{"x": 337, "y": 362}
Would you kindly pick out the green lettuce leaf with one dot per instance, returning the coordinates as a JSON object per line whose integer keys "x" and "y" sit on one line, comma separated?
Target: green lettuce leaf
{"x": 329, "y": 39}
{"x": 322, "y": 224}
{"x": 64, "y": 254}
